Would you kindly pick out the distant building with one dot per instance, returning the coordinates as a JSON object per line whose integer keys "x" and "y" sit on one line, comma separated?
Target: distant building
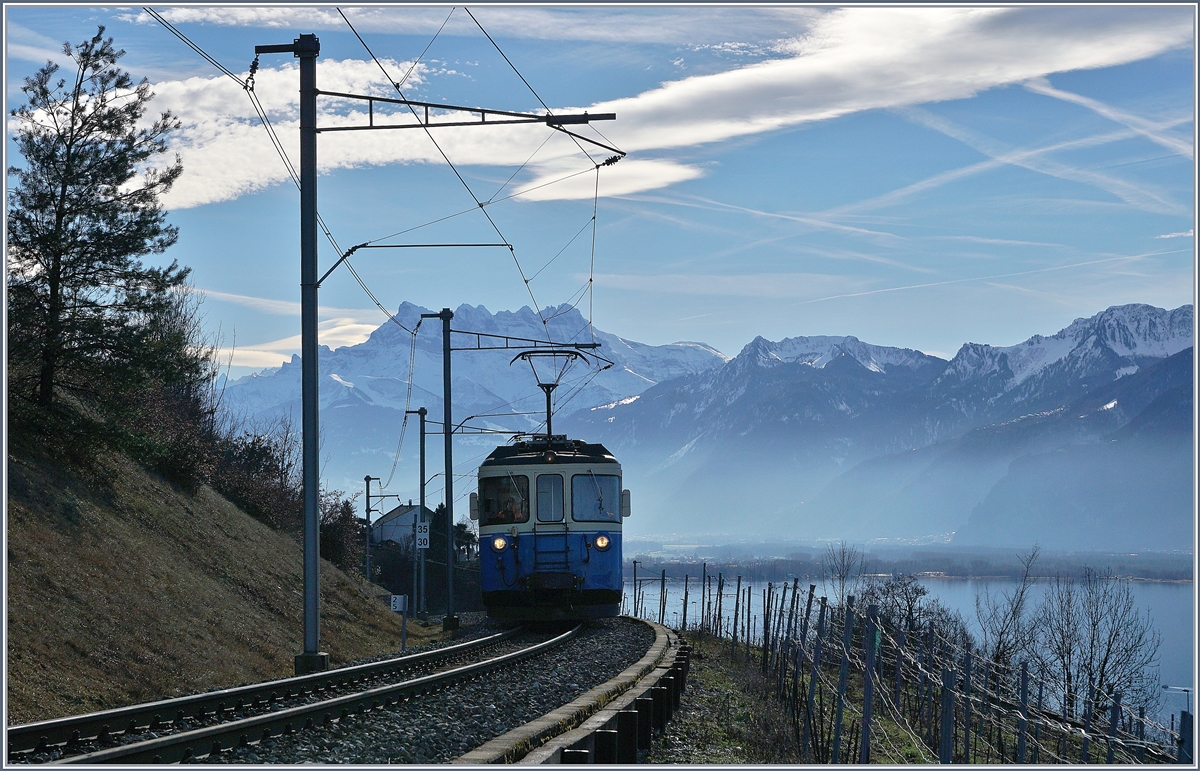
{"x": 397, "y": 524}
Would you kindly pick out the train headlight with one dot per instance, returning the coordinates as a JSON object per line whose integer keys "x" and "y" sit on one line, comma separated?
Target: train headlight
{"x": 602, "y": 542}
{"x": 499, "y": 543}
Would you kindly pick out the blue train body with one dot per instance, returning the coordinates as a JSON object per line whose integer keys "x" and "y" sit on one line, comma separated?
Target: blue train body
{"x": 549, "y": 512}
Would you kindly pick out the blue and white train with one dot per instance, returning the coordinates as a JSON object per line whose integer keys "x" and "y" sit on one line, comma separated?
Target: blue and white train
{"x": 549, "y": 511}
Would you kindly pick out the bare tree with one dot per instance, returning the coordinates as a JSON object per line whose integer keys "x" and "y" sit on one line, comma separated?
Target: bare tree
{"x": 1092, "y": 633}
{"x": 1005, "y": 621}
{"x": 841, "y": 566}
{"x": 1060, "y": 632}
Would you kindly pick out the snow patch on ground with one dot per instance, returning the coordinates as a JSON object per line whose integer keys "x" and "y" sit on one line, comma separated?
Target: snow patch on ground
{"x": 611, "y": 405}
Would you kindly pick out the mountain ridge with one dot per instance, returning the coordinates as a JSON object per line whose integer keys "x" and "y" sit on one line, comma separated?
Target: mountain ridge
{"x": 772, "y": 427}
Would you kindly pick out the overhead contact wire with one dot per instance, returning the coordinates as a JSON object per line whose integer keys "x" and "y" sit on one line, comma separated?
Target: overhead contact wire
{"x": 523, "y": 80}
{"x": 453, "y": 168}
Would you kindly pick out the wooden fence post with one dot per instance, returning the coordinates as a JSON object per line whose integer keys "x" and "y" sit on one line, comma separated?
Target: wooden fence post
{"x": 789, "y": 636}
{"x": 1140, "y": 753}
{"x": 966, "y": 686}
{"x": 812, "y": 686}
{"x": 768, "y": 598}
{"x": 720, "y": 604}
{"x": 1185, "y": 737}
{"x": 776, "y": 618}
{"x": 922, "y": 665}
{"x": 685, "y": 601}
{"x": 864, "y": 750}
{"x": 986, "y": 709}
{"x": 843, "y": 675}
{"x": 812, "y": 588}
{"x": 1087, "y": 723}
{"x": 1114, "y": 719}
{"x": 946, "y": 730}
{"x": 662, "y": 597}
{"x": 1037, "y": 726}
{"x": 749, "y": 598}
{"x": 1023, "y": 722}
{"x": 737, "y": 617}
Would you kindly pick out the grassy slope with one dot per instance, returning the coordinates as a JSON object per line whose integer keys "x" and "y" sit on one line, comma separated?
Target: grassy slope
{"x": 143, "y": 592}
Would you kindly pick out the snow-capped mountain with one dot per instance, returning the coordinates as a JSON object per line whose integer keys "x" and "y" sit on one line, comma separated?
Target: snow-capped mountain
{"x": 984, "y": 381}
{"x": 820, "y": 350}
{"x": 807, "y": 437}
{"x": 364, "y": 388}
{"x": 784, "y": 420}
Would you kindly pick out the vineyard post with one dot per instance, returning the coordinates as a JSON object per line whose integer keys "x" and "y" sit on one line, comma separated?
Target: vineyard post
{"x": 1023, "y": 723}
{"x": 987, "y": 707}
{"x": 812, "y": 588}
{"x": 1037, "y": 726}
{"x": 749, "y": 598}
{"x": 1185, "y": 737}
{"x": 946, "y": 731}
{"x": 847, "y": 633}
{"x": 768, "y": 598}
{"x": 864, "y": 751}
{"x": 922, "y": 665}
{"x": 1113, "y": 720}
{"x": 967, "y": 706}
{"x": 662, "y": 597}
{"x": 685, "y": 600}
{"x": 812, "y": 684}
{"x": 1140, "y": 752}
{"x": 1087, "y": 723}
{"x": 737, "y": 618}
{"x": 777, "y": 628}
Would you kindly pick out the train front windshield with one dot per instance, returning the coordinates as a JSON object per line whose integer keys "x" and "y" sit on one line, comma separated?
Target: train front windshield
{"x": 504, "y": 500}
{"x": 596, "y": 497}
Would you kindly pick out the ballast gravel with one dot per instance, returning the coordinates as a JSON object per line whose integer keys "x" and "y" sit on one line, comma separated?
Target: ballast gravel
{"x": 443, "y": 725}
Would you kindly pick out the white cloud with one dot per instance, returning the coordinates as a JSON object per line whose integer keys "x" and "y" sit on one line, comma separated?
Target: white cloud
{"x": 1184, "y": 234}
{"x": 845, "y": 61}
{"x": 631, "y": 175}
{"x": 289, "y": 307}
{"x": 333, "y": 332}
{"x": 25, "y": 44}
{"x": 686, "y": 26}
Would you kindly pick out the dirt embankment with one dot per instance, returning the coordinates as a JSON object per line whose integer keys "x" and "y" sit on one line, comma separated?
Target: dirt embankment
{"x": 141, "y": 592}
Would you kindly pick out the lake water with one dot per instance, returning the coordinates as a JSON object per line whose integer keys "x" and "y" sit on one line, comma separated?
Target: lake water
{"x": 1171, "y": 606}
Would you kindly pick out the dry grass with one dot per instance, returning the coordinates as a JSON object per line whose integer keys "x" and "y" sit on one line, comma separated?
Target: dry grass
{"x": 143, "y": 592}
{"x": 726, "y": 715}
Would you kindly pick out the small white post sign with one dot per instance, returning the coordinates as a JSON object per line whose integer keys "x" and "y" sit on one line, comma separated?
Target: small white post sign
{"x": 422, "y": 535}
{"x": 399, "y": 602}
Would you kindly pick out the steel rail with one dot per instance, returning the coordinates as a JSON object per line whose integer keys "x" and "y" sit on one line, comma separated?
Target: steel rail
{"x": 47, "y": 734}
{"x": 203, "y": 742}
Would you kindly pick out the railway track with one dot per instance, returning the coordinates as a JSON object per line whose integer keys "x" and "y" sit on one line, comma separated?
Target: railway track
{"x": 198, "y": 726}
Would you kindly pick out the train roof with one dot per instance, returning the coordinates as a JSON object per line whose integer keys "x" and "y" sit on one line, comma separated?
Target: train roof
{"x": 540, "y": 449}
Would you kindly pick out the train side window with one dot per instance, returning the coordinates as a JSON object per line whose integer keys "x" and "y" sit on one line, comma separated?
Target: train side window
{"x": 550, "y": 498}
{"x": 596, "y": 497}
{"x": 504, "y": 500}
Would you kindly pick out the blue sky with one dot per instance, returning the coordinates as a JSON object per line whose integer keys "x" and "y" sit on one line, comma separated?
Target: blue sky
{"x": 918, "y": 177}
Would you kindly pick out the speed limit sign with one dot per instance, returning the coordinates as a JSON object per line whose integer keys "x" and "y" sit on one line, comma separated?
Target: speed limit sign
{"x": 422, "y": 535}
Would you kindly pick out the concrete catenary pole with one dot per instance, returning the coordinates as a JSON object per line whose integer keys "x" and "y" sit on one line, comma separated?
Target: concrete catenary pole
{"x": 450, "y": 622}
{"x": 307, "y": 48}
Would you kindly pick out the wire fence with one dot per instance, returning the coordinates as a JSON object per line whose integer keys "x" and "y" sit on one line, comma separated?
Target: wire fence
{"x": 859, "y": 688}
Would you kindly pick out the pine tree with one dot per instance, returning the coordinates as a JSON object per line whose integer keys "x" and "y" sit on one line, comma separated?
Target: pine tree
{"x": 84, "y": 210}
